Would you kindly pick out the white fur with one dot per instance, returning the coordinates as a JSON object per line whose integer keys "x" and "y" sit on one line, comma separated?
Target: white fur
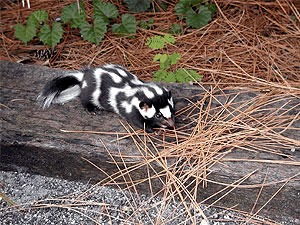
{"x": 115, "y": 77}
{"x": 122, "y": 72}
{"x": 64, "y": 96}
{"x": 68, "y": 94}
{"x": 110, "y": 66}
{"x": 148, "y": 113}
{"x": 171, "y": 102}
{"x": 84, "y": 84}
{"x": 135, "y": 102}
{"x": 96, "y": 94}
{"x": 136, "y": 80}
{"x": 158, "y": 90}
{"x": 113, "y": 92}
{"x": 46, "y": 100}
{"x": 79, "y": 75}
{"x": 166, "y": 112}
{"x": 129, "y": 106}
{"x": 149, "y": 94}
{"x": 129, "y": 91}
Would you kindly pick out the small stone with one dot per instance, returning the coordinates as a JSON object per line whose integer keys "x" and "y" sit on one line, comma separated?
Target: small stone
{"x": 204, "y": 222}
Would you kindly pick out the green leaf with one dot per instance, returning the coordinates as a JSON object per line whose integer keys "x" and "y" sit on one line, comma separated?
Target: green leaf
{"x": 156, "y": 42}
{"x": 197, "y": 13}
{"x": 174, "y": 58}
{"x": 128, "y": 25}
{"x": 198, "y": 20}
{"x": 25, "y": 33}
{"x": 52, "y": 36}
{"x": 72, "y": 14}
{"x": 37, "y": 17}
{"x": 163, "y": 75}
{"x": 160, "y": 75}
{"x": 143, "y": 24}
{"x": 159, "y": 42}
{"x": 183, "y": 6}
{"x": 157, "y": 57}
{"x": 95, "y": 33}
{"x": 171, "y": 77}
{"x": 151, "y": 21}
{"x": 195, "y": 75}
{"x": 146, "y": 24}
{"x": 166, "y": 60}
{"x": 169, "y": 39}
{"x": 28, "y": 32}
{"x": 176, "y": 29}
{"x": 138, "y": 5}
{"x": 105, "y": 10}
{"x": 181, "y": 76}
{"x": 186, "y": 75}
{"x": 212, "y": 7}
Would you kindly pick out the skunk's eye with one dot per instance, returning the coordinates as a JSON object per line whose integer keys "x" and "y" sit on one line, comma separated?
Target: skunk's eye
{"x": 158, "y": 115}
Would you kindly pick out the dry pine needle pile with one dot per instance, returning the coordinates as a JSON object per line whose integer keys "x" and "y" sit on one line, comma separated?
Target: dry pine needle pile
{"x": 246, "y": 41}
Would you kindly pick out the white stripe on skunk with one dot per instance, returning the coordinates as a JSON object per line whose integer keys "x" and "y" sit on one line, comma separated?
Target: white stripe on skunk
{"x": 113, "y": 88}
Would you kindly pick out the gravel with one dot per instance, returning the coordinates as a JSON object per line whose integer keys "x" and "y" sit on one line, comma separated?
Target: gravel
{"x": 47, "y": 201}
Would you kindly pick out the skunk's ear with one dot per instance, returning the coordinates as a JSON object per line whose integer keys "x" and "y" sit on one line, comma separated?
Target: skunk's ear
{"x": 145, "y": 106}
{"x": 147, "y": 110}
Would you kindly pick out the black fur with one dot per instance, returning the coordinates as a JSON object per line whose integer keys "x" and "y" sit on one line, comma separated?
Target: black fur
{"x": 60, "y": 83}
{"x": 112, "y": 88}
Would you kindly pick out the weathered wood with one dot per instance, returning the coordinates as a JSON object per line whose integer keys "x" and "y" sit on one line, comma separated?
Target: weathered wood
{"x": 31, "y": 138}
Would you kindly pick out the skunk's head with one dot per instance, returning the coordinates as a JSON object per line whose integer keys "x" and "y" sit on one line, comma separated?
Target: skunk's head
{"x": 158, "y": 111}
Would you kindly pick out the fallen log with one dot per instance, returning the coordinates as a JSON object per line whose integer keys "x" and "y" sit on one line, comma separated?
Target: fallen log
{"x": 34, "y": 140}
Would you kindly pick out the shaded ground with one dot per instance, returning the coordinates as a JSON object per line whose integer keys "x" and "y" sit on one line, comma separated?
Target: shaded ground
{"x": 45, "y": 200}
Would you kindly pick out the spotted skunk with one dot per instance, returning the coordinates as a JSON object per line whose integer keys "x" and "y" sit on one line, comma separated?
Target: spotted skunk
{"x": 113, "y": 88}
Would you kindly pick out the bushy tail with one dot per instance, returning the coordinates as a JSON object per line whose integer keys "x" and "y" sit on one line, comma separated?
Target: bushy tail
{"x": 60, "y": 90}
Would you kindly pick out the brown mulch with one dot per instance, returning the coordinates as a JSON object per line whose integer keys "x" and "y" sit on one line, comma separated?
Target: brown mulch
{"x": 247, "y": 41}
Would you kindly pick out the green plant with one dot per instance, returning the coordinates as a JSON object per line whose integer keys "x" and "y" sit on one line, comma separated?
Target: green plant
{"x": 27, "y": 32}
{"x": 75, "y": 15}
{"x": 197, "y": 13}
{"x": 167, "y": 60}
{"x": 51, "y": 36}
{"x": 146, "y": 24}
{"x": 159, "y": 42}
{"x": 128, "y": 25}
{"x": 93, "y": 33}
{"x": 165, "y": 74}
{"x": 176, "y": 29}
{"x": 138, "y": 5}
{"x": 105, "y": 10}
